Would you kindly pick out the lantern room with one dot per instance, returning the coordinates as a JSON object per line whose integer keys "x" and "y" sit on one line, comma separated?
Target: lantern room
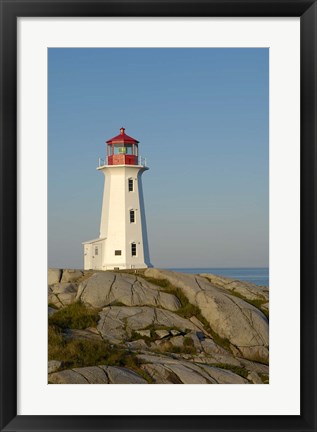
{"x": 122, "y": 149}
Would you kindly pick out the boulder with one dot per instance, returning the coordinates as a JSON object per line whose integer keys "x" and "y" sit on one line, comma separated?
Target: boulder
{"x": 82, "y": 334}
{"x": 196, "y": 341}
{"x": 210, "y": 347}
{"x": 144, "y": 333}
{"x": 54, "y": 276}
{"x": 177, "y": 341}
{"x": 175, "y": 332}
{"x": 162, "y": 333}
{"x": 67, "y": 377}
{"x": 62, "y": 294}
{"x": 107, "y": 288}
{"x": 117, "y": 322}
{"x": 54, "y": 300}
{"x": 93, "y": 374}
{"x": 160, "y": 374}
{"x": 53, "y": 365}
{"x": 85, "y": 375}
{"x": 164, "y": 369}
{"x": 96, "y": 375}
{"x": 254, "y": 377}
{"x": 188, "y": 375}
{"x": 71, "y": 275}
{"x": 223, "y": 376}
{"x": 254, "y": 367}
{"x": 138, "y": 344}
{"x": 120, "y": 375}
{"x": 64, "y": 288}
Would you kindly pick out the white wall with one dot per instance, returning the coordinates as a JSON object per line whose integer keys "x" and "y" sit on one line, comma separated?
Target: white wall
{"x": 115, "y": 218}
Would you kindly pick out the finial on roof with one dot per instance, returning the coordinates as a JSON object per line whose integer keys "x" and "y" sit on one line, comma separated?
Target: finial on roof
{"x": 122, "y": 131}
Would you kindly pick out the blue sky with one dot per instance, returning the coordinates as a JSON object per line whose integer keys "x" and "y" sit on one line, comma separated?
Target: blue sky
{"x": 201, "y": 116}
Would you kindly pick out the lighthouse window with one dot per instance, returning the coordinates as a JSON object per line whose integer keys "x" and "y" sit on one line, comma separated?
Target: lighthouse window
{"x": 117, "y": 252}
{"x": 119, "y": 149}
{"x": 132, "y": 216}
{"x": 96, "y": 250}
{"x": 128, "y": 149}
{"x": 133, "y": 249}
{"x": 130, "y": 182}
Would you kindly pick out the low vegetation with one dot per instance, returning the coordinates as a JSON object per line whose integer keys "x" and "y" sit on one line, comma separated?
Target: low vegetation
{"x": 82, "y": 352}
{"x": 75, "y": 316}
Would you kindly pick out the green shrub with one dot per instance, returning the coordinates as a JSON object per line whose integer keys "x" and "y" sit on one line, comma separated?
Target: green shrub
{"x": 75, "y": 316}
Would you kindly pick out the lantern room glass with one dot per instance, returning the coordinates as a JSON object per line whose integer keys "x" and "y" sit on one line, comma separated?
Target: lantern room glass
{"x": 128, "y": 149}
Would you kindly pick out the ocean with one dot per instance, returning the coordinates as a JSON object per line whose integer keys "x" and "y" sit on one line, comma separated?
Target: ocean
{"x": 258, "y": 276}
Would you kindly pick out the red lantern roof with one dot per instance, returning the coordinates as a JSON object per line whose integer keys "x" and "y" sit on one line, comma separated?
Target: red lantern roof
{"x": 122, "y": 139}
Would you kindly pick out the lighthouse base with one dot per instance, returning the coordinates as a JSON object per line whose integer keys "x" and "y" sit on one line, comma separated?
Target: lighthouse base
{"x": 95, "y": 258}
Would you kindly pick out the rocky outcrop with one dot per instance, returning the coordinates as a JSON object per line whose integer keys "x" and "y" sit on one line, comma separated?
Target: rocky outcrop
{"x": 61, "y": 294}
{"x": 96, "y": 375}
{"x": 178, "y": 328}
{"x": 164, "y": 369}
{"x": 107, "y": 288}
{"x": 117, "y": 322}
{"x": 54, "y": 276}
{"x": 234, "y": 319}
{"x": 247, "y": 290}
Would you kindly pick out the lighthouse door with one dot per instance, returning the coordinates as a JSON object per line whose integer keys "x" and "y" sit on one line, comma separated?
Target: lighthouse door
{"x": 96, "y": 256}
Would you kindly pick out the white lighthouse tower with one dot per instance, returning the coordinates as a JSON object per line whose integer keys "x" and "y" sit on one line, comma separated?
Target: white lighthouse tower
{"x": 122, "y": 243}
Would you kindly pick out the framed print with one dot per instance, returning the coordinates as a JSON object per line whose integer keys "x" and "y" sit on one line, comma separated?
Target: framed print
{"x": 239, "y": 75}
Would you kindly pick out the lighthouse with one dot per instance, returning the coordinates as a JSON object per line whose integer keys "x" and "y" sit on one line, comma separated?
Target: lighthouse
{"x": 122, "y": 243}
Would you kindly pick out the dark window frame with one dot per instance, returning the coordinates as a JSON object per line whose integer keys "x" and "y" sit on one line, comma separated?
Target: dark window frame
{"x": 132, "y": 216}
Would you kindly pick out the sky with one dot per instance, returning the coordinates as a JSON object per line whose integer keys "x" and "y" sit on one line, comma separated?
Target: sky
{"x": 202, "y": 119}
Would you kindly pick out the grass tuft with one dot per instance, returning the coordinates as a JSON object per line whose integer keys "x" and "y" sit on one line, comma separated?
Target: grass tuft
{"x": 235, "y": 369}
{"x": 75, "y": 316}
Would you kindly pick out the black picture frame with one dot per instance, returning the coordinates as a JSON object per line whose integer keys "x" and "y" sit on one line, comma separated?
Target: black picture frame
{"x": 10, "y": 11}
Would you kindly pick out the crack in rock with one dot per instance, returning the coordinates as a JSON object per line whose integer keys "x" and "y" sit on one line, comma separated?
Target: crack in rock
{"x": 81, "y": 375}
